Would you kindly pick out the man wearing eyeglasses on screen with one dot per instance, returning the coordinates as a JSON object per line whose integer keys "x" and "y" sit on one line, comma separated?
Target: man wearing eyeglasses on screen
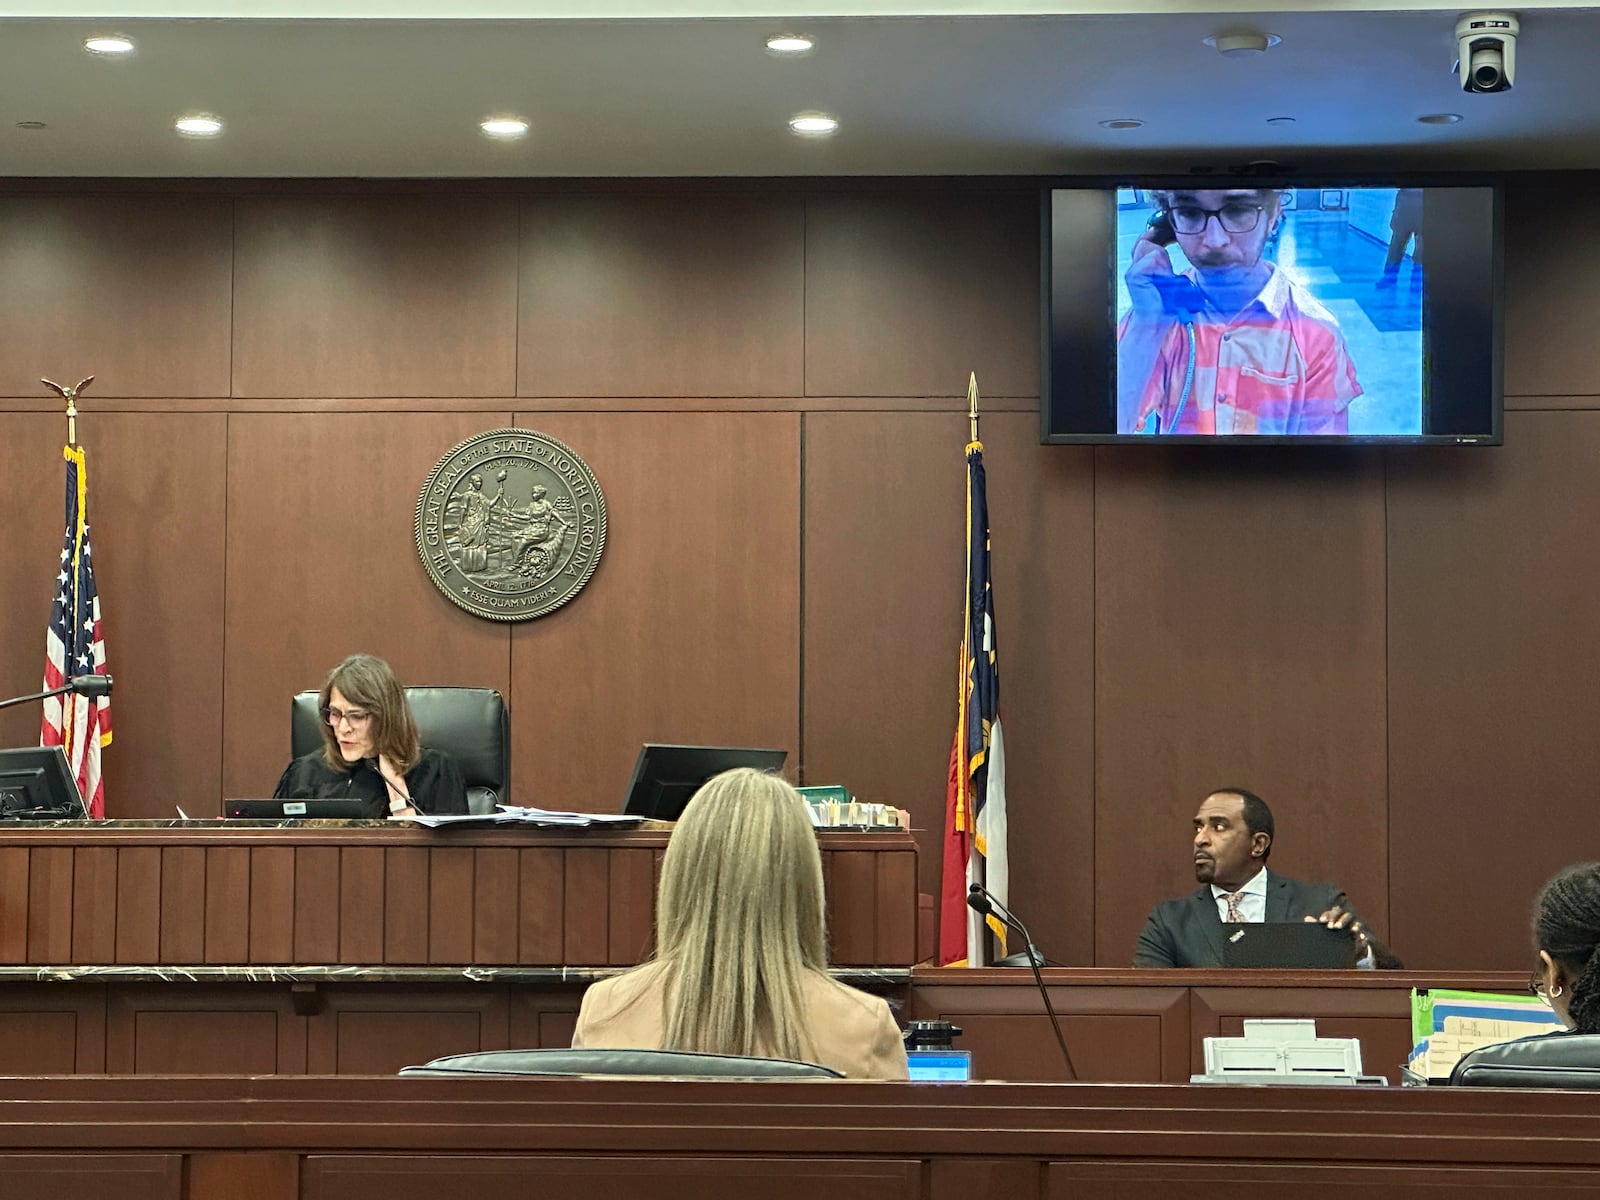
{"x": 1233, "y": 346}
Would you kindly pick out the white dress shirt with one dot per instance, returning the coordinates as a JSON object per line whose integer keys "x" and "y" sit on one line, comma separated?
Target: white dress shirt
{"x": 1252, "y": 903}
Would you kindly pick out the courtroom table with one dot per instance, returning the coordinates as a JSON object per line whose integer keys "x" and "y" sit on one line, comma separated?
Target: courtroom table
{"x": 1141, "y": 1025}
{"x": 210, "y": 947}
{"x": 627, "y": 1139}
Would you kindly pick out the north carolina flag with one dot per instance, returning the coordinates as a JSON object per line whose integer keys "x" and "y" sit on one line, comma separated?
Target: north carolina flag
{"x": 75, "y": 645}
{"x": 975, "y": 813}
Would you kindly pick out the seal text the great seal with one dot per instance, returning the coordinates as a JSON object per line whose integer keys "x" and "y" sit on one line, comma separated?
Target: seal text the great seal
{"x": 510, "y": 524}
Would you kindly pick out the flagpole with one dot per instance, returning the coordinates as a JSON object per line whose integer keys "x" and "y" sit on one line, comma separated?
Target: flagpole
{"x": 972, "y": 405}
{"x": 70, "y": 395}
{"x": 74, "y": 642}
{"x": 977, "y": 948}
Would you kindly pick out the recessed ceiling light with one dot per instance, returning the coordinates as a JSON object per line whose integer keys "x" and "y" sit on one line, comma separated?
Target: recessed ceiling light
{"x": 108, "y": 43}
{"x": 813, "y": 124}
{"x": 1242, "y": 43}
{"x": 1122, "y": 123}
{"x": 1439, "y": 118}
{"x": 1280, "y": 120}
{"x": 504, "y": 127}
{"x": 198, "y": 125}
{"x": 790, "y": 44}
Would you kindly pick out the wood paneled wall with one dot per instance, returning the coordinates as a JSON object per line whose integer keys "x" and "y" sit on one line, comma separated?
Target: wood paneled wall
{"x": 1397, "y": 649}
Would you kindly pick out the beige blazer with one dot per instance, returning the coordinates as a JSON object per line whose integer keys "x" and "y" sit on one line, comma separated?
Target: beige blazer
{"x": 851, "y": 1031}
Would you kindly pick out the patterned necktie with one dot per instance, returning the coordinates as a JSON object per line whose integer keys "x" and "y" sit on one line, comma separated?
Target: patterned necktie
{"x": 1233, "y": 905}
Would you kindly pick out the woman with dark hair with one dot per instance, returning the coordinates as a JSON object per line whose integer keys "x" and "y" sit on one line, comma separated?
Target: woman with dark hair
{"x": 1566, "y": 927}
{"x": 370, "y": 749}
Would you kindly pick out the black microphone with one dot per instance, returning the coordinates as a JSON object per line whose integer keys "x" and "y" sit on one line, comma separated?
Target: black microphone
{"x": 980, "y": 901}
{"x": 93, "y": 686}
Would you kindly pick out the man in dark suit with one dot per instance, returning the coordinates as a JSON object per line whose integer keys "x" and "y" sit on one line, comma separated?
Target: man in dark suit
{"x": 1232, "y": 842}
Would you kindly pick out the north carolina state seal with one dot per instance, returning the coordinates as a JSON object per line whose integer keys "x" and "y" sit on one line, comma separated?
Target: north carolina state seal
{"x": 510, "y": 524}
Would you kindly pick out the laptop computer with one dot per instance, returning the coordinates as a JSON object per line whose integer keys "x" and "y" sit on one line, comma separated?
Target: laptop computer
{"x": 277, "y": 810}
{"x": 940, "y": 1066}
{"x": 1287, "y": 945}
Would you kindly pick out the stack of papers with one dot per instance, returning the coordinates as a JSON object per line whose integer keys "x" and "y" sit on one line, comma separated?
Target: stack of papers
{"x": 1447, "y": 1024}
{"x": 545, "y": 816}
{"x": 510, "y": 814}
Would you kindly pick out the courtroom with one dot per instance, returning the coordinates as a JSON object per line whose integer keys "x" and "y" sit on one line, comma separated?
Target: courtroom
{"x": 593, "y": 600}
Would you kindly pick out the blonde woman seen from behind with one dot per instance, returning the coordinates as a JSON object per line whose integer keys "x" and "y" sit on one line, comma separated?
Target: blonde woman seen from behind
{"x": 741, "y": 961}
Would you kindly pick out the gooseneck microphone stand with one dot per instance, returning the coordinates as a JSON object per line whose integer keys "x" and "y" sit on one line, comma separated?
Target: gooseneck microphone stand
{"x": 92, "y": 686}
{"x": 980, "y": 901}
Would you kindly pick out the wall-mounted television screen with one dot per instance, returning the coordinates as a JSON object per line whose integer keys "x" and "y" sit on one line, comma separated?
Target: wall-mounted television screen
{"x": 1238, "y": 311}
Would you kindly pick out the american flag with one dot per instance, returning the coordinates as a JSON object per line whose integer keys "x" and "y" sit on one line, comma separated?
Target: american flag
{"x": 74, "y": 645}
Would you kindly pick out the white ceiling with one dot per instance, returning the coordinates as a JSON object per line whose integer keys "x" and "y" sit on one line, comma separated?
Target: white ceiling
{"x": 388, "y": 90}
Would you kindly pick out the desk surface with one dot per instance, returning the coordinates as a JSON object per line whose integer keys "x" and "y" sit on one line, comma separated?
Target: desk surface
{"x": 295, "y": 831}
{"x": 1189, "y": 977}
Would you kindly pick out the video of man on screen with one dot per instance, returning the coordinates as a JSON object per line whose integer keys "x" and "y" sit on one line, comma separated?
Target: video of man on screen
{"x": 1269, "y": 311}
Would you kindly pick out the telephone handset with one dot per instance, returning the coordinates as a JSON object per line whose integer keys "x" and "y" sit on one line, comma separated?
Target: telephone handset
{"x": 1181, "y": 299}
{"x": 1179, "y": 295}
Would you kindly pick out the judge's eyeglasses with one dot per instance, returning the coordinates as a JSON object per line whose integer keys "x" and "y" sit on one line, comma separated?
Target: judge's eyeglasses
{"x": 356, "y": 716}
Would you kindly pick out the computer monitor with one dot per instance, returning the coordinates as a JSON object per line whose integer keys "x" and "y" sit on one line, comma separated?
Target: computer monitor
{"x": 665, "y": 777}
{"x": 36, "y": 785}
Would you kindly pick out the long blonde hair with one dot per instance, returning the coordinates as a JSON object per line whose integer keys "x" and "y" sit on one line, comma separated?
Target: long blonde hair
{"x": 739, "y": 919}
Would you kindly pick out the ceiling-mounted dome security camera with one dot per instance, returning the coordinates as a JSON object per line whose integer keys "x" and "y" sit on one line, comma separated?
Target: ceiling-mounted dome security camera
{"x": 1487, "y": 45}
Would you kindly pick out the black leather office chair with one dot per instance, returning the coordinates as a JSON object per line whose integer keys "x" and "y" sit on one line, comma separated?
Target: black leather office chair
{"x": 469, "y": 724}
{"x": 1551, "y": 1060}
{"x": 562, "y": 1060}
